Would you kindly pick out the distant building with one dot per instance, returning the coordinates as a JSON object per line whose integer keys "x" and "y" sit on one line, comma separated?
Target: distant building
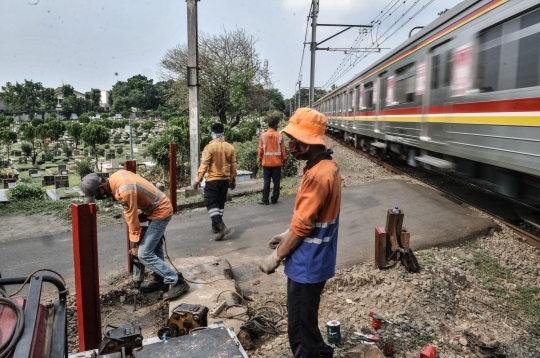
{"x": 104, "y": 99}
{"x": 60, "y": 95}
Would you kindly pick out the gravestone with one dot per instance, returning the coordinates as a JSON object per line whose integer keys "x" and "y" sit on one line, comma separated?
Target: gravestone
{"x": 110, "y": 156}
{"x": 23, "y": 160}
{"x": 111, "y": 151}
{"x": 57, "y": 153}
{"x": 135, "y": 150}
{"x": 48, "y": 180}
{"x": 8, "y": 181}
{"x": 61, "y": 167}
{"x": 64, "y": 172}
{"x": 61, "y": 181}
{"x": 16, "y": 153}
{"x": 32, "y": 171}
{"x": 114, "y": 163}
{"x": 76, "y": 152}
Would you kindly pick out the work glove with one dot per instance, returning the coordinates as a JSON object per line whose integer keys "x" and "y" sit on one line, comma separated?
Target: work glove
{"x": 271, "y": 263}
{"x": 195, "y": 185}
{"x": 277, "y": 240}
{"x": 143, "y": 218}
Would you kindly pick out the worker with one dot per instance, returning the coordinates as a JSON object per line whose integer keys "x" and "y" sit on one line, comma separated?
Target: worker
{"x": 136, "y": 193}
{"x": 310, "y": 244}
{"x": 271, "y": 156}
{"x": 219, "y": 160}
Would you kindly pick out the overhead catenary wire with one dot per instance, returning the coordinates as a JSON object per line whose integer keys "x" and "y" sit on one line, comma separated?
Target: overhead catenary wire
{"x": 299, "y": 80}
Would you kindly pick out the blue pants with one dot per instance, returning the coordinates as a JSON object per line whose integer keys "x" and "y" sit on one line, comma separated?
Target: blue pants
{"x": 151, "y": 251}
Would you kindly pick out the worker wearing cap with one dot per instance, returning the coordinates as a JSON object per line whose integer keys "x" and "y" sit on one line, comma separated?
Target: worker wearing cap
{"x": 271, "y": 155}
{"x": 309, "y": 246}
{"x": 219, "y": 160}
{"x": 136, "y": 193}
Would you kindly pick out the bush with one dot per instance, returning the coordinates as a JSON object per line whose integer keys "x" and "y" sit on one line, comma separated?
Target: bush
{"x": 83, "y": 118}
{"x": 119, "y": 150}
{"x": 246, "y": 156}
{"x": 116, "y": 141}
{"x": 165, "y": 117}
{"x": 84, "y": 167}
{"x": 26, "y": 192}
{"x": 290, "y": 168}
{"x": 101, "y": 152}
{"x": 48, "y": 156}
{"x": 85, "y": 152}
{"x": 107, "y": 146}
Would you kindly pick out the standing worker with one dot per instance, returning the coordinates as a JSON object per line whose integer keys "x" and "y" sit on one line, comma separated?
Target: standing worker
{"x": 271, "y": 155}
{"x": 310, "y": 243}
{"x": 134, "y": 193}
{"x": 219, "y": 160}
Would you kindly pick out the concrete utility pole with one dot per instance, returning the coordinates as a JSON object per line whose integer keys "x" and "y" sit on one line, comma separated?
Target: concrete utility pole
{"x": 193, "y": 84}
{"x": 313, "y": 51}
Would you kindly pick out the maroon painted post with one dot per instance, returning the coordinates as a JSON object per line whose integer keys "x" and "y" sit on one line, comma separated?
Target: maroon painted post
{"x": 172, "y": 173}
{"x": 85, "y": 250}
{"x": 129, "y": 165}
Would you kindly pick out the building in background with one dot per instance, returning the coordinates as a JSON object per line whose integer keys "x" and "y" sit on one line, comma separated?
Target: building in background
{"x": 104, "y": 99}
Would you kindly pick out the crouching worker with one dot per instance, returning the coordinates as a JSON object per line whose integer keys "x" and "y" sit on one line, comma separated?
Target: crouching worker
{"x": 309, "y": 247}
{"x": 136, "y": 193}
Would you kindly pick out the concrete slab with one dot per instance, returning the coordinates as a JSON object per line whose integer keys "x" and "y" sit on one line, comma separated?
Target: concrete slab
{"x": 210, "y": 278}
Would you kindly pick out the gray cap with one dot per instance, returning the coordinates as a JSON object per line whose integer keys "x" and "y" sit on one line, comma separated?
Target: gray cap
{"x": 89, "y": 185}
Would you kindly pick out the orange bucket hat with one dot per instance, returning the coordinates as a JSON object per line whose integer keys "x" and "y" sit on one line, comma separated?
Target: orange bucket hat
{"x": 307, "y": 126}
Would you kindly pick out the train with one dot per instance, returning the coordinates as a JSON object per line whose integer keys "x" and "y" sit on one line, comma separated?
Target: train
{"x": 462, "y": 95}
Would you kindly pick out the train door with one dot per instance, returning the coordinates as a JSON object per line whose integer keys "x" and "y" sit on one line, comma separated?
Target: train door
{"x": 440, "y": 104}
{"x": 376, "y": 103}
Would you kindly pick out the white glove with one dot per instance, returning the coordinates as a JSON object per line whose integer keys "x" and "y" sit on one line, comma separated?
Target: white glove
{"x": 271, "y": 263}
{"x": 277, "y": 240}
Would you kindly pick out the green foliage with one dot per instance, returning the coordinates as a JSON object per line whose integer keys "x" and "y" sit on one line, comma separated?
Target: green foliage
{"x": 56, "y": 129}
{"x": 84, "y": 167}
{"x": 126, "y": 114}
{"x": 90, "y": 114}
{"x": 86, "y": 151}
{"x": 83, "y": 118}
{"x": 138, "y": 92}
{"x": 26, "y": 149}
{"x": 148, "y": 125}
{"x": 51, "y": 115}
{"x": 158, "y": 149}
{"x": 101, "y": 152}
{"x": 119, "y": 150}
{"x": 107, "y": 146}
{"x": 94, "y": 134}
{"x": 290, "y": 167}
{"x": 65, "y": 148}
{"x": 74, "y": 129}
{"x": 165, "y": 117}
{"x": 36, "y": 122}
{"x": 25, "y": 192}
{"x": 48, "y": 156}
{"x": 246, "y": 156}
{"x": 28, "y": 95}
{"x": 116, "y": 141}
{"x": 71, "y": 104}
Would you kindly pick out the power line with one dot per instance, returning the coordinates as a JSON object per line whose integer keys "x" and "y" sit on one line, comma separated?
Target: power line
{"x": 304, "y": 49}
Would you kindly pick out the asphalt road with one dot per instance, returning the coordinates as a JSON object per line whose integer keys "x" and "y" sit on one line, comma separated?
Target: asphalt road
{"x": 432, "y": 220}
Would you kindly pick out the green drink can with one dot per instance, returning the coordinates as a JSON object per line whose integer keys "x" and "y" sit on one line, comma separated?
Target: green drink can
{"x": 333, "y": 333}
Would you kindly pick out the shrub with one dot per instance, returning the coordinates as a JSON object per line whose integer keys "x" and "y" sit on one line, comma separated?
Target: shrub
{"x": 246, "y": 156}
{"x": 48, "y": 156}
{"x": 165, "y": 117}
{"x": 119, "y": 150}
{"x": 83, "y": 118}
{"x": 290, "y": 168}
{"x": 116, "y": 141}
{"x": 85, "y": 152}
{"x": 107, "y": 146}
{"x": 26, "y": 192}
{"x": 84, "y": 167}
{"x": 101, "y": 152}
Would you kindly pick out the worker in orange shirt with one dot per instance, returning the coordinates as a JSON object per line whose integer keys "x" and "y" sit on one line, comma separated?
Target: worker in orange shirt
{"x": 271, "y": 156}
{"x": 310, "y": 243}
{"x": 136, "y": 193}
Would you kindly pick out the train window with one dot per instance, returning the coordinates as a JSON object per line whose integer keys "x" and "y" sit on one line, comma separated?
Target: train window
{"x": 489, "y": 57}
{"x": 529, "y": 51}
{"x": 368, "y": 95}
{"x": 448, "y": 68}
{"x": 405, "y": 84}
{"x": 435, "y": 65}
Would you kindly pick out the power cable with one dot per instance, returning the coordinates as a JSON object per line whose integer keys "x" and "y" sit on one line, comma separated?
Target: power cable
{"x": 16, "y": 333}
{"x": 304, "y": 49}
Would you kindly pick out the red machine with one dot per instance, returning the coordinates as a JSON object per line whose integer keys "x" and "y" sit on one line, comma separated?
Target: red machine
{"x": 33, "y": 330}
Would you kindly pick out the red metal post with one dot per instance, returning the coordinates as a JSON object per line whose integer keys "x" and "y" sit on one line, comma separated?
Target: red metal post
{"x": 130, "y": 165}
{"x": 172, "y": 173}
{"x": 85, "y": 250}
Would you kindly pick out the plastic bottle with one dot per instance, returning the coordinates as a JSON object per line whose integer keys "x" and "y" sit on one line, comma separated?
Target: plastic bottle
{"x": 395, "y": 210}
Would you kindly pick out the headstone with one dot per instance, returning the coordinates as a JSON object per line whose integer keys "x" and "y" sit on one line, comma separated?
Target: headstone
{"x": 8, "y": 181}
{"x": 61, "y": 181}
{"x": 111, "y": 151}
{"x": 57, "y": 153}
{"x": 34, "y": 176}
{"x": 61, "y": 167}
{"x": 48, "y": 180}
{"x": 23, "y": 160}
{"x": 32, "y": 171}
{"x": 16, "y": 153}
{"x": 76, "y": 152}
{"x": 135, "y": 150}
{"x": 110, "y": 156}
{"x": 114, "y": 163}
{"x": 64, "y": 172}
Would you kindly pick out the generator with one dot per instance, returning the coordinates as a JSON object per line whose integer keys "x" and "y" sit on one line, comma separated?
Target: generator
{"x": 184, "y": 318}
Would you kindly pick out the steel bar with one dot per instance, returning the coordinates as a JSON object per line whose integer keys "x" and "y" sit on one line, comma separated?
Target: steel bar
{"x": 341, "y": 25}
{"x": 85, "y": 251}
{"x": 313, "y": 51}
{"x": 129, "y": 165}
{"x": 172, "y": 175}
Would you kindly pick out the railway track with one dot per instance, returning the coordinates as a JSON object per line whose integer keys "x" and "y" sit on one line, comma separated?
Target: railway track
{"x": 520, "y": 217}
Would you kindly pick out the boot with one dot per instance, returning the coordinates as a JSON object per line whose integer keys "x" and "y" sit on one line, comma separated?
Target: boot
{"x": 214, "y": 229}
{"x": 156, "y": 284}
{"x": 223, "y": 231}
{"x": 176, "y": 290}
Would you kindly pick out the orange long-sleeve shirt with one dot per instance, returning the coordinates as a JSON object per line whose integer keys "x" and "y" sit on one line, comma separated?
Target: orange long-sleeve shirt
{"x": 219, "y": 160}
{"x": 272, "y": 148}
{"x": 134, "y": 192}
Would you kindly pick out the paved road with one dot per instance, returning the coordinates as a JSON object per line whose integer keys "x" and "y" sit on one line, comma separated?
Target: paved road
{"x": 430, "y": 217}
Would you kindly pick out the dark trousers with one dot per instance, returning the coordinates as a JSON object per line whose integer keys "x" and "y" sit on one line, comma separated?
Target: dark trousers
{"x": 305, "y": 337}
{"x": 273, "y": 173}
{"x": 215, "y": 196}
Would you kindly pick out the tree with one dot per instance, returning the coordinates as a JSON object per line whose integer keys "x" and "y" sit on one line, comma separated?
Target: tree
{"x": 48, "y": 99}
{"x": 83, "y": 118}
{"x": 158, "y": 148}
{"x": 95, "y": 97}
{"x": 137, "y": 92}
{"x": 30, "y": 135}
{"x": 36, "y": 122}
{"x": 8, "y": 138}
{"x": 22, "y": 96}
{"x": 148, "y": 125}
{"x": 74, "y": 130}
{"x": 43, "y": 132}
{"x": 229, "y": 69}
{"x": 119, "y": 150}
{"x": 95, "y": 134}
{"x": 57, "y": 130}
{"x": 26, "y": 149}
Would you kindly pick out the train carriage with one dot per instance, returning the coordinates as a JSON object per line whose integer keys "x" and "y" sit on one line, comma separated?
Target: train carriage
{"x": 462, "y": 94}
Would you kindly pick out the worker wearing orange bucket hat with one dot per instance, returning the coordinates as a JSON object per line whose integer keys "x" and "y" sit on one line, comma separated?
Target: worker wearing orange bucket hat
{"x": 309, "y": 246}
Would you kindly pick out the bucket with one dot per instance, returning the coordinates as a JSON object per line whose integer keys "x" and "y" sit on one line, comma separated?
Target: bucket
{"x": 333, "y": 332}
{"x": 428, "y": 352}
{"x": 376, "y": 323}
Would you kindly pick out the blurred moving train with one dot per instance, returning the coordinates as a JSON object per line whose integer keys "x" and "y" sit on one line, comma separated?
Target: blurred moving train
{"x": 463, "y": 94}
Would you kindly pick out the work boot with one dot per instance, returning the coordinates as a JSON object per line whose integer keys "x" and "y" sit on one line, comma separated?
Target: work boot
{"x": 223, "y": 231}
{"x": 215, "y": 230}
{"x": 262, "y": 202}
{"x": 176, "y": 290}
{"x": 156, "y": 284}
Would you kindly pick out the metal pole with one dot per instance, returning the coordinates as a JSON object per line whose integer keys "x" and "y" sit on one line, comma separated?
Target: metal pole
{"x": 172, "y": 174}
{"x": 313, "y": 51}
{"x": 131, "y": 166}
{"x": 299, "y": 94}
{"x": 85, "y": 253}
{"x": 130, "y": 139}
{"x": 193, "y": 84}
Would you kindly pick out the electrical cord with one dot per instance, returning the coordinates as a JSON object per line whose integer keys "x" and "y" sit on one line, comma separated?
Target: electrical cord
{"x": 16, "y": 333}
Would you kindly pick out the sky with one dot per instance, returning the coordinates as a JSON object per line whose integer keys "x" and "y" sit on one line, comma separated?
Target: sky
{"x": 94, "y": 44}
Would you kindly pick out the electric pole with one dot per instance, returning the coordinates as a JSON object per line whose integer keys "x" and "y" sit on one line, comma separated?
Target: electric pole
{"x": 313, "y": 51}
{"x": 193, "y": 84}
